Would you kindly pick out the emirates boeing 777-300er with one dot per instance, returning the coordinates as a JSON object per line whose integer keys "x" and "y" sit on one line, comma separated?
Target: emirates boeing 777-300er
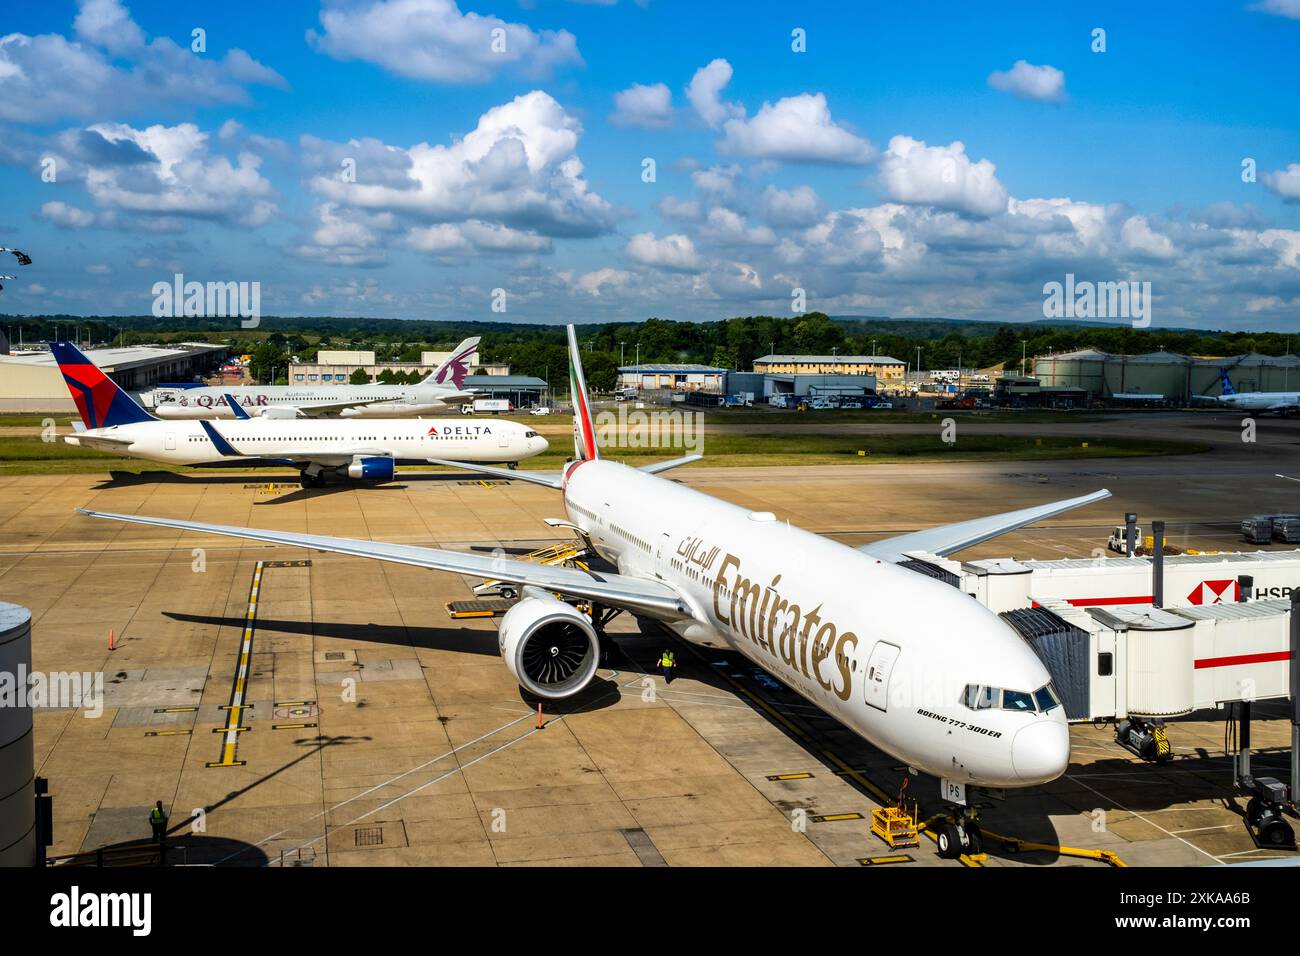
{"x": 916, "y": 667}
{"x": 442, "y": 387}
{"x": 366, "y": 449}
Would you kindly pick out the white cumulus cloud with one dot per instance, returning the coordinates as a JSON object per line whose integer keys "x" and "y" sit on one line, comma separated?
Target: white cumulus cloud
{"x": 674, "y": 252}
{"x": 110, "y": 68}
{"x": 640, "y": 105}
{"x": 704, "y": 93}
{"x": 795, "y": 129}
{"x": 1285, "y": 182}
{"x": 1044, "y": 83}
{"x": 519, "y": 167}
{"x": 941, "y": 176}
{"x": 433, "y": 40}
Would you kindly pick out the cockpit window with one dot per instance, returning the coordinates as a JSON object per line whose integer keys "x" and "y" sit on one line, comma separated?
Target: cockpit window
{"x": 1017, "y": 700}
{"x": 1046, "y": 698}
{"x": 530, "y": 434}
{"x": 980, "y": 698}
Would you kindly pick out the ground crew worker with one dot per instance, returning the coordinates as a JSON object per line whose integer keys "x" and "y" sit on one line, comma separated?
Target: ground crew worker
{"x": 667, "y": 661}
{"x": 158, "y": 820}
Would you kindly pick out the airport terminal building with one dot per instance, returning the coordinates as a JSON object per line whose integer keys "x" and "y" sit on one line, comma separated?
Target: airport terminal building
{"x": 31, "y": 381}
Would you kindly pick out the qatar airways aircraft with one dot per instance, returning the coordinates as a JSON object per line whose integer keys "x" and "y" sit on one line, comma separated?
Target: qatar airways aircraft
{"x": 363, "y": 449}
{"x": 443, "y": 387}
{"x": 916, "y": 667}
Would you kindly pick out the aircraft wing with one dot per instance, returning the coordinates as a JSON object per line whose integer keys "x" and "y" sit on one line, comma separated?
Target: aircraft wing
{"x": 639, "y": 595}
{"x": 326, "y": 409}
{"x": 534, "y": 477}
{"x": 948, "y": 538}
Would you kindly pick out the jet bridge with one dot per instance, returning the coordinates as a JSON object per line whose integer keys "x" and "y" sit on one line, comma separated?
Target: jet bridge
{"x": 1140, "y": 640}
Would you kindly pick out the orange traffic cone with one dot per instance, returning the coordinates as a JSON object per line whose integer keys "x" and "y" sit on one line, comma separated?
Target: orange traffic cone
{"x": 540, "y": 724}
{"x": 112, "y": 642}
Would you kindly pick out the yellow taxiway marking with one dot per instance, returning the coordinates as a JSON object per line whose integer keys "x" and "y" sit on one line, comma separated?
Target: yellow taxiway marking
{"x": 836, "y": 817}
{"x": 790, "y": 776}
{"x": 167, "y": 733}
{"x": 292, "y": 726}
{"x": 239, "y": 689}
{"x": 882, "y": 860}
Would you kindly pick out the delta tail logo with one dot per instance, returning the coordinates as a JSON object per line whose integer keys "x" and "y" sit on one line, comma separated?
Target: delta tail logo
{"x": 99, "y": 401}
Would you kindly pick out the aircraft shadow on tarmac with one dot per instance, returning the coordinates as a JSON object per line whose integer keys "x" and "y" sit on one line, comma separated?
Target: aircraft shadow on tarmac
{"x": 461, "y": 640}
{"x": 123, "y": 479}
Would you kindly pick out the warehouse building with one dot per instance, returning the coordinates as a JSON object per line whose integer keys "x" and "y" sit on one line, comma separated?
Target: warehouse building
{"x": 888, "y": 370}
{"x": 336, "y": 367}
{"x": 523, "y": 391}
{"x": 32, "y": 382}
{"x": 1172, "y": 376}
{"x": 673, "y": 377}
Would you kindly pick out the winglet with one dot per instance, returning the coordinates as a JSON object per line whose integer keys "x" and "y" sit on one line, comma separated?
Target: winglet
{"x": 584, "y": 429}
{"x": 235, "y": 408}
{"x": 226, "y": 449}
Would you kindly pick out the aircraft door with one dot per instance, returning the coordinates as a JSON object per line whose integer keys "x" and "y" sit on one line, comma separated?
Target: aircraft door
{"x": 170, "y": 441}
{"x": 880, "y": 665}
{"x": 503, "y": 439}
{"x": 661, "y": 555}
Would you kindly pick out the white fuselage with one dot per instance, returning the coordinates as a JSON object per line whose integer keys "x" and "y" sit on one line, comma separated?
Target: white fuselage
{"x": 186, "y": 442}
{"x": 389, "y": 401}
{"x": 1261, "y": 401}
{"x": 885, "y": 650}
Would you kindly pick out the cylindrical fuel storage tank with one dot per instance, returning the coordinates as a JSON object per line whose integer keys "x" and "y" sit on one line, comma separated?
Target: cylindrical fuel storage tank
{"x": 17, "y": 769}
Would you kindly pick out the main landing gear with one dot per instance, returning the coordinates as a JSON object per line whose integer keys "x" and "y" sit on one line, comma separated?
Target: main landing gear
{"x": 600, "y": 617}
{"x": 311, "y": 480}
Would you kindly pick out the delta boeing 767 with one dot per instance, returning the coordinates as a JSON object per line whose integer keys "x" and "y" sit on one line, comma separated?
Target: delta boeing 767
{"x": 916, "y": 667}
{"x": 365, "y": 449}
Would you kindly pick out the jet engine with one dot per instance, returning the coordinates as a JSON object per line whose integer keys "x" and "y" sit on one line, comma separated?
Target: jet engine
{"x": 550, "y": 647}
{"x": 371, "y": 468}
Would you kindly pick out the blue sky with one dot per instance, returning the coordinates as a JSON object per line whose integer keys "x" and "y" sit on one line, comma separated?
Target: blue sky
{"x": 920, "y": 159}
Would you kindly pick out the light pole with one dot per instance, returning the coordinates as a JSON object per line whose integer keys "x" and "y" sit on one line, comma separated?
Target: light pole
{"x": 1023, "y": 344}
{"x": 621, "y": 360}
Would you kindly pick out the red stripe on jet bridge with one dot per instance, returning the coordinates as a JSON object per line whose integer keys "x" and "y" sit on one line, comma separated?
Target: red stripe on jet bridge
{"x": 1102, "y": 601}
{"x": 1244, "y": 659}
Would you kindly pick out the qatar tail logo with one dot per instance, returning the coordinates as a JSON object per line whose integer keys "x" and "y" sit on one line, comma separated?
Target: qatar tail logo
{"x": 1215, "y": 592}
{"x": 455, "y": 368}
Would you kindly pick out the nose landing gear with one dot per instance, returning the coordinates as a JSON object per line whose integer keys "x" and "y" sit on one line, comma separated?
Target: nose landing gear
{"x": 960, "y": 835}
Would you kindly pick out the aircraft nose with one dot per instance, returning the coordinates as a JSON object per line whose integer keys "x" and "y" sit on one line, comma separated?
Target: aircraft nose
{"x": 1041, "y": 751}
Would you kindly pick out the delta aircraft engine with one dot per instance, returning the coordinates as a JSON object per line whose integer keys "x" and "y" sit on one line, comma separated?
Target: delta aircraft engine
{"x": 549, "y": 646}
{"x": 374, "y": 468}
